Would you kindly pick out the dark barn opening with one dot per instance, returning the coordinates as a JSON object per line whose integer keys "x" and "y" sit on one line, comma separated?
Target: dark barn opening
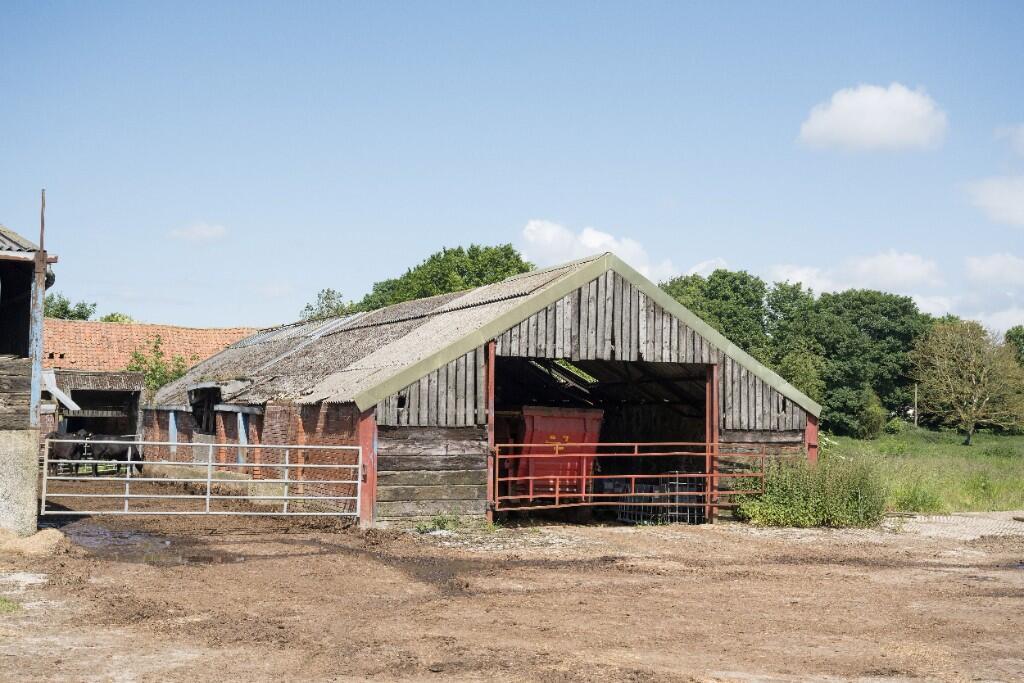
{"x": 627, "y": 410}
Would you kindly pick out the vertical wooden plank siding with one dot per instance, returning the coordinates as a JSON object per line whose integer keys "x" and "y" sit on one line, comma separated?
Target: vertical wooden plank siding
{"x": 607, "y": 318}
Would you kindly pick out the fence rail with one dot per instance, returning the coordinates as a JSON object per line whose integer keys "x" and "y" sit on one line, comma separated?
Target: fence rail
{"x": 678, "y": 474}
{"x": 294, "y": 489}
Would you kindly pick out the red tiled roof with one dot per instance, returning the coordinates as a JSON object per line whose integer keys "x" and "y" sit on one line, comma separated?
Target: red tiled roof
{"x": 92, "y": 345}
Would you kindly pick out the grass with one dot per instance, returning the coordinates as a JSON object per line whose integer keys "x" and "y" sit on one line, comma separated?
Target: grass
{"x": 7, "y": 606}
{"x": 438, "y": 523}
{"x": 933, "y": 472}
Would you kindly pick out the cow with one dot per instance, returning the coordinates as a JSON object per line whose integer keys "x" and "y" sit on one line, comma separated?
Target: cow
{"x": 63, "y": 448}
{"x": 115, "y": 451}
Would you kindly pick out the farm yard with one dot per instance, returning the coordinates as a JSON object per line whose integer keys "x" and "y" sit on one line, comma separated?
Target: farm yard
{"x": 918, "y": 599}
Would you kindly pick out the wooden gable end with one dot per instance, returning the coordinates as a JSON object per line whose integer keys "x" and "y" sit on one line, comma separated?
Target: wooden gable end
{"x": 611, "y": 319}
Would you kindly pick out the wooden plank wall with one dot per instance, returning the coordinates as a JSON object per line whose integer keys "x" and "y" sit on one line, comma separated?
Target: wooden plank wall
{"x": 15, "y": 388}
{"x": 423, "y": 471}
{"x": 451, "y": 396}
{"x": 610, "y": 319}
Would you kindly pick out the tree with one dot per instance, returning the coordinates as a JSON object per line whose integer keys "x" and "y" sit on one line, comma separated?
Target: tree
{"x": 969, "y": 378}
{"x": 733, "y": 302}
{"x": 1015, "y": 338}
{"x": 56, "y": 305}
{"x": 449, "y": 270}
{"x": 157, "y": 369}
{"x": 116, "y": 317}
{"x": 329, "y": 304}
{"x": 866, "y": 337}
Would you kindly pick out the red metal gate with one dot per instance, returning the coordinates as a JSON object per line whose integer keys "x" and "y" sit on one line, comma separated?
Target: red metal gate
{"x": 646, "y": 474}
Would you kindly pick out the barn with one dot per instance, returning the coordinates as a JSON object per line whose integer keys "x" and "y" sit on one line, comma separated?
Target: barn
{"x": 85, "y": 383}
{"x": 582, "y": 387}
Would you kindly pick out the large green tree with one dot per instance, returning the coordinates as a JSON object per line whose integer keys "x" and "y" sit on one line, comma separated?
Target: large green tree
{"x": 866, "y": 337}
{"x": 449, "y": 270}
{"x": 733, "y": 302}
{"x": 969, "y": 378}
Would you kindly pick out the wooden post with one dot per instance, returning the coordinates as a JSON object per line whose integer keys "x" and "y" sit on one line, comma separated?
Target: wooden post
{"x": 491, "y": 455}
{"x": 367, "y": 434}
{"x": 811, "y": 439}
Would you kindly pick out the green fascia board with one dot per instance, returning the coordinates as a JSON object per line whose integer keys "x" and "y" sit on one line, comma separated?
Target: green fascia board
{"x": 552, "y": 293}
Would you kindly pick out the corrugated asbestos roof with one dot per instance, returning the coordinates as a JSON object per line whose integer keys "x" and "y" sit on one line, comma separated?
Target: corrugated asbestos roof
{"x": 12, "y": 241}
{"x": 73, "y": 380}
{"x": 365, "y": 357}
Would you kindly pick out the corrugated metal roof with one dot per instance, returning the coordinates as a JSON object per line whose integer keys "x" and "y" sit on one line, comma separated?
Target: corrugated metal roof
{"x": 365, "y": 357}
{"x": 12, "y": 241}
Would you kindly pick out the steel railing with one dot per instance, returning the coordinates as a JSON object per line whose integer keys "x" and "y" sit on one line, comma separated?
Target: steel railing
{"x": 563, "y": 475}
{"x": 212, "y": 486}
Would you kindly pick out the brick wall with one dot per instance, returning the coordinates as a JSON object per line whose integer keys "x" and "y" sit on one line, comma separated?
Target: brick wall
{"x": 294, "y": 425}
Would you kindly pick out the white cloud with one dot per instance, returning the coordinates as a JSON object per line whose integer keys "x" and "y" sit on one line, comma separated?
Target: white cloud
{"x": 1001, "y": 198}
{"x": 888, "y": 270}
{"x": 872, "y": 117}
{"x": 199, "y": 232}
{"x": 1015, "y": 135}
{"x": 893, "y": 270}
{"x": 1001, "y": 320}
{"x": 705, "y": 268}
{"x": 809, "y": 276}
{"x": 935, "y": 305}
{"x": 547, "y": 243}
{"x": 996, "y": 269}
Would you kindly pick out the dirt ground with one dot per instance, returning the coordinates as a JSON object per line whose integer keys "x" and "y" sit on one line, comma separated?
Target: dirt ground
{"x": 223, "y": 599}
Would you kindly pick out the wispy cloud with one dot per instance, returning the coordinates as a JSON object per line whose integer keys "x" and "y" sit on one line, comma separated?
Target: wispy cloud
{"x": 1001, "y": 198}
{"x": 199, "y": 232}
{"x": 546, "y": 243}
{"x": 890, "y": 270}
{"x": 873, "y": 117}
{"x": 1001, "y": 270}
{"x": 1001, "y": 320}
{"x": 1014, "y": 135}
{"x": 705, "y": 268}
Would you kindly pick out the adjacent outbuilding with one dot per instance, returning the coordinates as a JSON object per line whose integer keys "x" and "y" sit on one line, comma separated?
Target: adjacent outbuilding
{"x": 582, "y": 386}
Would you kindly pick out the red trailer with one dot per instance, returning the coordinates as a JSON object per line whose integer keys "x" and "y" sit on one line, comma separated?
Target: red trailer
{"x": 550, "y": 464}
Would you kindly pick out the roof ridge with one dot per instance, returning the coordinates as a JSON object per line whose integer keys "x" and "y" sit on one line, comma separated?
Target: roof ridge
{"x": 112, "y": 325}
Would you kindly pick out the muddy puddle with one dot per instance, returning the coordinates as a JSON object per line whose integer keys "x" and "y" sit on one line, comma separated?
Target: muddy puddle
{"x": 142, "y": 548}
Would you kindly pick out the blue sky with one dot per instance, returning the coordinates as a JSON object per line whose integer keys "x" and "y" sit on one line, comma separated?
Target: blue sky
{"x": 217, "y": 164}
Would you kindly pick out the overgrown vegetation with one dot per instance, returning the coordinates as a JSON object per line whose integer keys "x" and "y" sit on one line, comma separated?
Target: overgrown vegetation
{"x": 156, "y": 367}
{"x": 837, "y": 492}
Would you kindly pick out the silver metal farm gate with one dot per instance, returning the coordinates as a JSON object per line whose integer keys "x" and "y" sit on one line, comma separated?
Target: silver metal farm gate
{"x": 175, "y": 478}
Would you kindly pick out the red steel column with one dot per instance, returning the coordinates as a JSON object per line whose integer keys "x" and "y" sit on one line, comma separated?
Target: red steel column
{"x": 708, "y": 437}
{"x": 811, "y": 439}
{"x": 367, "y": 434}
{"x": 491, "y": 456}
